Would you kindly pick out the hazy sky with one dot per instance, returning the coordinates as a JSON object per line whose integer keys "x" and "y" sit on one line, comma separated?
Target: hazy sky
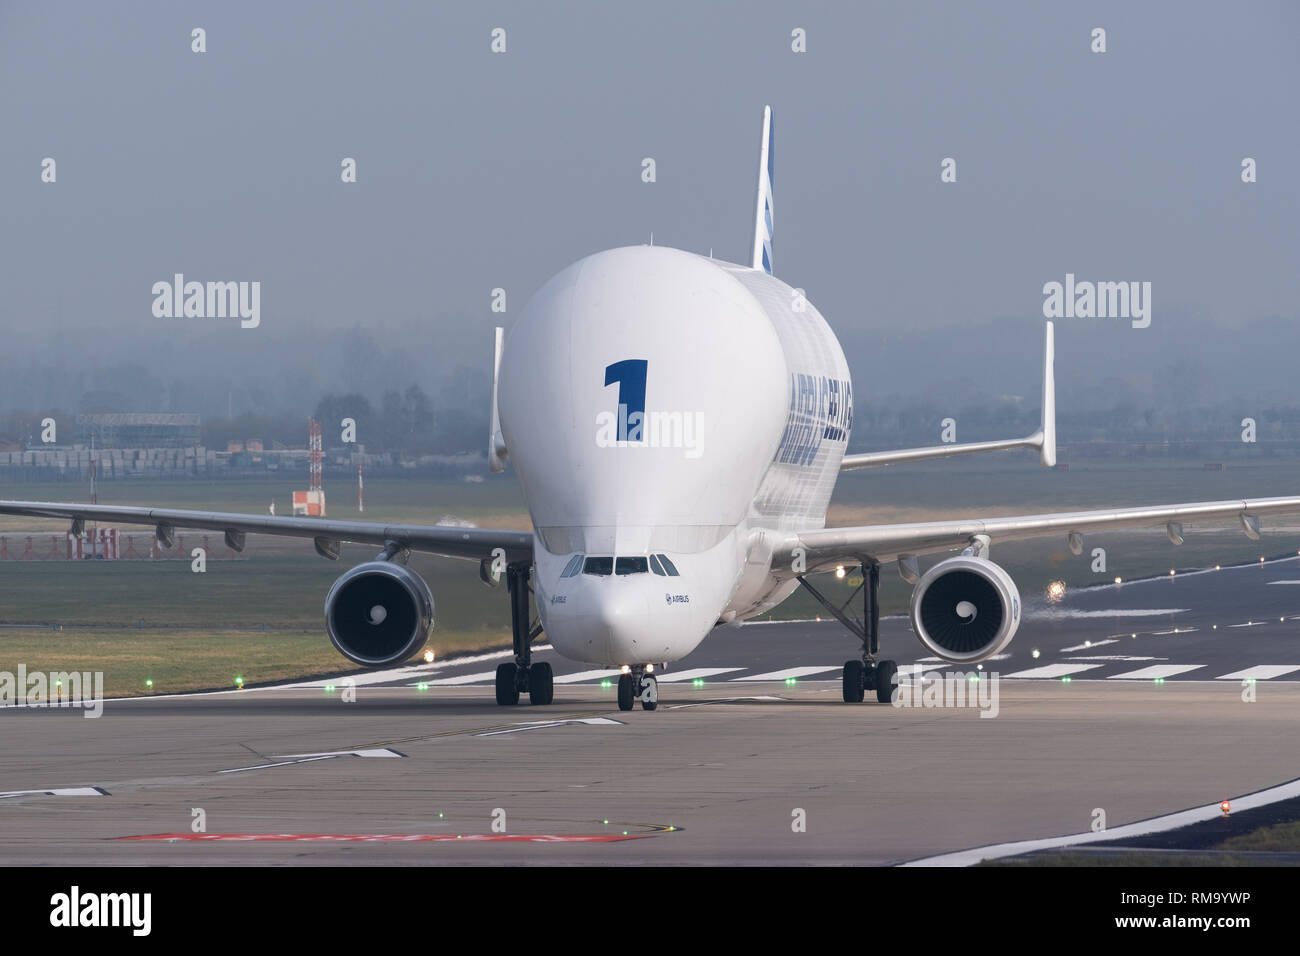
{"x": 479, "y": 170}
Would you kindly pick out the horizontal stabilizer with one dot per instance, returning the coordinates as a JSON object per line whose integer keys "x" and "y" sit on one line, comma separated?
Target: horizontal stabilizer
{"x": 1043, "y": 440}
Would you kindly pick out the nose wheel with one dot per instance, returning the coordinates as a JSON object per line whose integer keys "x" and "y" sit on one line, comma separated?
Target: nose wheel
{"x": 649, "y": 692}
{"x": 635, "y": 686}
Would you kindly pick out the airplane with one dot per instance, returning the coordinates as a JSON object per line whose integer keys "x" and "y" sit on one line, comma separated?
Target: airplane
{"x": 677, "y": 425}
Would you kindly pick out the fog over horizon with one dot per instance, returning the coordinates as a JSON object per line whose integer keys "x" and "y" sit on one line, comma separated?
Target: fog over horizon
{"x": 478, "y": 171}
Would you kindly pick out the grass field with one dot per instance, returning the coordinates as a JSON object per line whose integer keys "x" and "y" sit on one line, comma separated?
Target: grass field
{"x": 140, "y": 619}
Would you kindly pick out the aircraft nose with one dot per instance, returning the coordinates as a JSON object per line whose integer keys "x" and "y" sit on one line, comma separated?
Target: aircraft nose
{"x": 621, "y": 620}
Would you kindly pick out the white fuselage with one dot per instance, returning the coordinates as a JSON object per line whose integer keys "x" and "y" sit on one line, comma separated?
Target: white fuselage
{"x": 720, "y": 432}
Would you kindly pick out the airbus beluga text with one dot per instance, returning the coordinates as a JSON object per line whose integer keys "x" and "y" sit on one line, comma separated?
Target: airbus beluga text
{"x": 677, "y": 425}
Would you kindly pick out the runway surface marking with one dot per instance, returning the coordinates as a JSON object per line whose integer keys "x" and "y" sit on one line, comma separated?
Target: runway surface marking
{"x": 543, "y": 724}
{"x": 1067, "y": 614}
{"x": 391, "y": 837}
{"x": 586, "y": 675}
{"x": 721, "y": 700}
{"x": 1261, "y": 672}
{"x": 1156, "y": 672}
{"x": 788, "y": 673}
{"x": 695, "y": 673}
{"x": 1171, "y": 821}
{"x": 59, "y": 792}
{"x": 369, "y": 752}
{"x": 1050, "y": 671}
{"x": 482, "y": 676}
{"x": 1086, "y": 645}
{"x": 913, "y": 671}
{"x": 1072, "y": 665}
{"x": 326, "y": 755}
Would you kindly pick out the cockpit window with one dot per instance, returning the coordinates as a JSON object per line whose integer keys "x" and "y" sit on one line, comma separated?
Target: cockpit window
{"x": 655, "y": 566}
{"x": 668, "y": 566}
{"x": 637, "y": 565}
{"x": 598, "y": 566}
{"x": 573, "y": 567}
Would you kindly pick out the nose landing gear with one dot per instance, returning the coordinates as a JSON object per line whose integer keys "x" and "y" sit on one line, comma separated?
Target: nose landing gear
{"x": 637, "y": 684}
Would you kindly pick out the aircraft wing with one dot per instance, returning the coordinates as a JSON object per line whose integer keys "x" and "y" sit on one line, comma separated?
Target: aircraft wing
{"x": 475, "y": 543}
{"x": 826, "y": 548}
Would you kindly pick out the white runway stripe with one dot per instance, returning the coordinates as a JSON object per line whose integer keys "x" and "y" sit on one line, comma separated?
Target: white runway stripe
{"x": 482, "y": 677}
{"x": 1052, "y": 671}
{"x": 1086, "y": 645}
{"x": 1156, "y": 670}
{"x": 788, "y": 672}
{"x": 586, "y": 675}
{"x": 911, "y": 671}
{"x": 696, "y": 672}
{"x": 1261, "y": 672}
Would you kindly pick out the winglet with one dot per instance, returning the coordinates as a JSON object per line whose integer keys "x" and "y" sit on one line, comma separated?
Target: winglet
{"x": 496, "y": 441}
{"x": 761, "y": 251}
{"x": 1047, "y": 450}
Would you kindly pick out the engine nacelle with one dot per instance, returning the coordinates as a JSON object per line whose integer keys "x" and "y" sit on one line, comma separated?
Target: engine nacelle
{"x": 379, "y": 613}
{"x": 965, "y": 609}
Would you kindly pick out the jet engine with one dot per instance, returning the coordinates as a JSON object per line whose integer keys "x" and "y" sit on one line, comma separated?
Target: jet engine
{"x": 379, "y": 613}
{"x": 965, "y": 609}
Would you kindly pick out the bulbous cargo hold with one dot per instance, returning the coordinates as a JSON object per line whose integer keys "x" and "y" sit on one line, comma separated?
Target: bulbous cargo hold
{"x": 379, "y": 613}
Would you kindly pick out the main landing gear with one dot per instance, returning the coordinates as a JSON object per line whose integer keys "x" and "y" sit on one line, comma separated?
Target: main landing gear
{"x": 638, "y": 683}
{"x": 522, "y": 676}
{"x": 866, "y": 674}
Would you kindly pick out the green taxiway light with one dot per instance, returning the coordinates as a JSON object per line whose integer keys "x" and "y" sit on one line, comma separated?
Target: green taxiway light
{"x": 440, "y": 816}
{"x": 789, "y": 682}
{"x": 149, "y": 682}
{"x": 1160, "y": 680}
{"x": 605, "y": 683}
{"x": 1065, "y": 680}
{"x": 973, "y": 677}
{"x": 698, "y": 682}
{"x": 239, "y": 682}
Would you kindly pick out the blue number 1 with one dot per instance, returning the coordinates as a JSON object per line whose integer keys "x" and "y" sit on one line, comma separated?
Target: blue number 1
{"x": 630, "y": 375}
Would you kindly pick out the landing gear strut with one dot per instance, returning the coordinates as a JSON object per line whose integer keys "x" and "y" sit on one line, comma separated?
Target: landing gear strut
{"x": 637, "y": 684}
{"x": 865, "y": 674}
{"x": 522, "y": 676}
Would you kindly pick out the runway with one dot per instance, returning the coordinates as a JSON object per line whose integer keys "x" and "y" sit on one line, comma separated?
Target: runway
{"x": 726, "y": 771}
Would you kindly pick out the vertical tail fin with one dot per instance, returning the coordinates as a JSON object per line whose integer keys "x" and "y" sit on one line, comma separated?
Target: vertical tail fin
{"x": 761, "y": 256}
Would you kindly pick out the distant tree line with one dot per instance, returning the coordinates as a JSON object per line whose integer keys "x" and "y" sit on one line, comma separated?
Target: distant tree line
{"x": 410, "y": 422}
